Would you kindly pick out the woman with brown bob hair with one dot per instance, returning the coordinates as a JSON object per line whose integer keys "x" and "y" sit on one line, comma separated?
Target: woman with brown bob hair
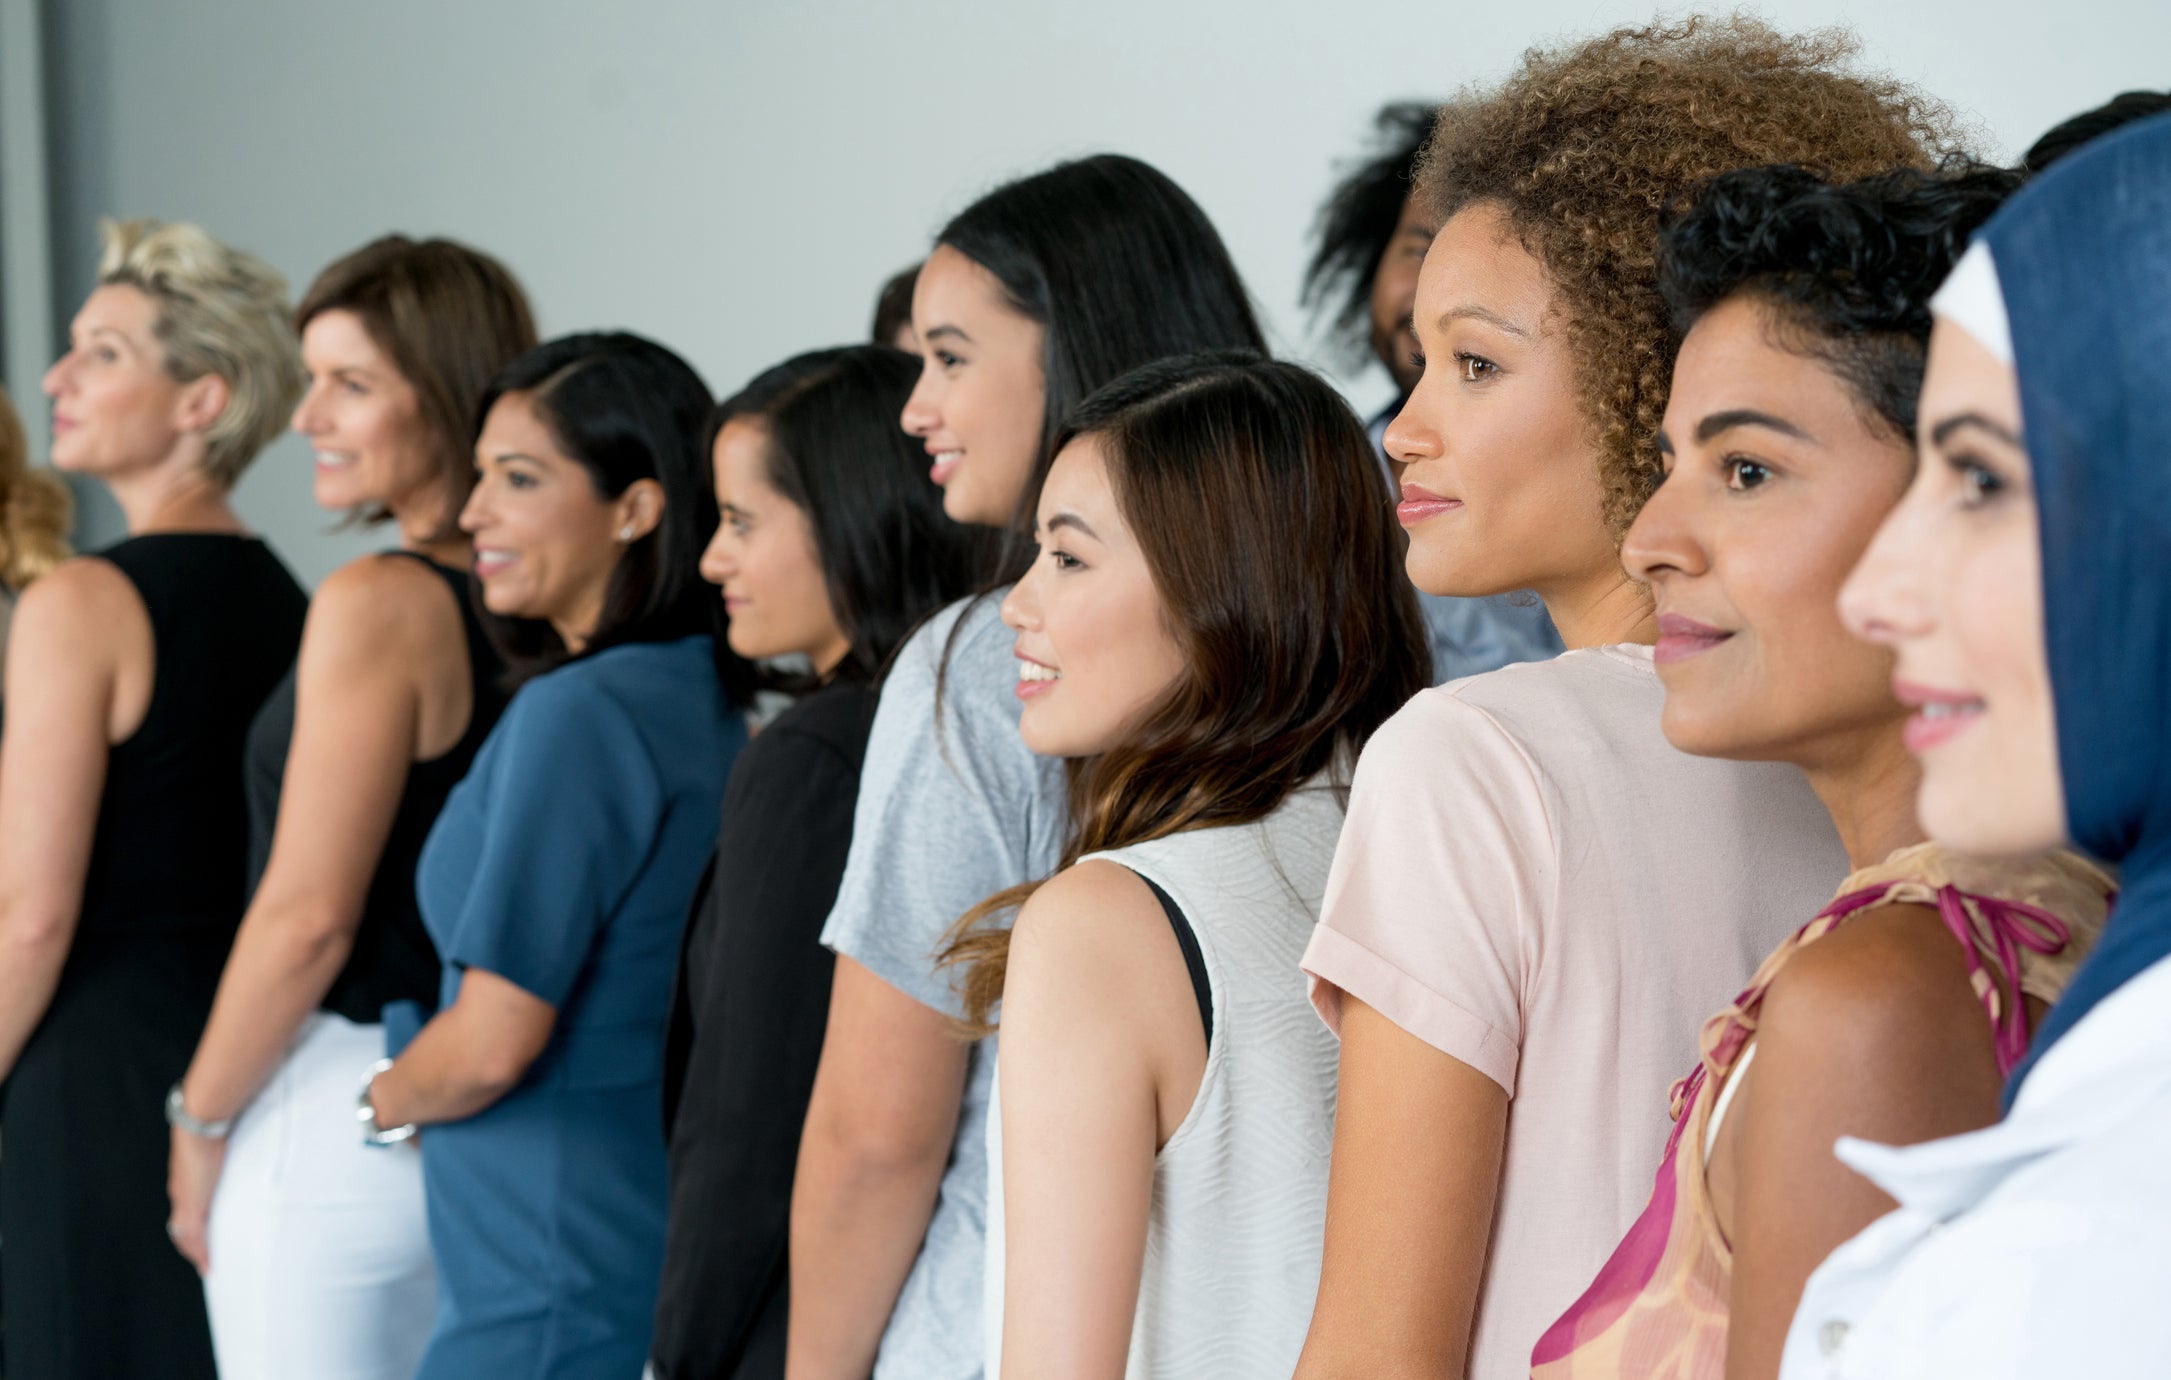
{"x": 313, "y": 1247}
{"x": 1214, "y": 626}
{"x": 1536, "y": 895}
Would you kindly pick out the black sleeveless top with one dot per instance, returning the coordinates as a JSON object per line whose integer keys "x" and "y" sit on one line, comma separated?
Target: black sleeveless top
{"x": 393, "y": 958}
{"x": 172, "y": 835}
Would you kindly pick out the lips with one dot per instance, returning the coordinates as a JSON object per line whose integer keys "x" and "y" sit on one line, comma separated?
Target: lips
{"x": 491, "y": 561}
{"x": 1681, "y": 637}
{"x": 946, "y": 463}
{"x": 334, "y": 460}
{"x": 1420, "y": 504}
{"x": 1035, "y": 678}
{"x": 1940, "y": 715}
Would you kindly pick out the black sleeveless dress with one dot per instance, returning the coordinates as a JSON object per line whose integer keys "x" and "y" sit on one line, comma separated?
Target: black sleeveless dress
{"x": 393, "y": 958}
{"x": 92, "y": 1287}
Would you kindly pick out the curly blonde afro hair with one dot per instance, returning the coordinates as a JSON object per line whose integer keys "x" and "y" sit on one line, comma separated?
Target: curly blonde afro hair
{"x": 1585, "y": 148}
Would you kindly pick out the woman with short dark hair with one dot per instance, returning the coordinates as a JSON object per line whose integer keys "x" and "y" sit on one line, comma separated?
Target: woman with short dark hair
{"x": 322, "y": 1259}
{"x": 833, "y": 547}
{"x": 556, "y": 879}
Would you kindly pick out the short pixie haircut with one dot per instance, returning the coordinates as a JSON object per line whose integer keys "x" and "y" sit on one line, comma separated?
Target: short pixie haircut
{"x": 449, "y": 318}
{"x": 1845, "y": 270}
{"x": 1584, "y": 146}
{"x": 221, "y": 311}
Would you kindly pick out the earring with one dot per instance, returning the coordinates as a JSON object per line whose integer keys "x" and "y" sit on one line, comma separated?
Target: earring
{"x": 625, "y": 533}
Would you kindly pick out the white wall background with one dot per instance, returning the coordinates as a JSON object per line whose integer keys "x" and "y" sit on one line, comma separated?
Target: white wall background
{"x": 736, "y": 179}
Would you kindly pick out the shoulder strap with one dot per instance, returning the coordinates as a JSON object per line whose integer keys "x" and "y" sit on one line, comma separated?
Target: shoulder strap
{"x": 1194, "y": 961}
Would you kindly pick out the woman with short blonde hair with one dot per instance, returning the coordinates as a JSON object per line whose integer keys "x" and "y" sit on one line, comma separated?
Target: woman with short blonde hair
{"x": 123, "y": 832}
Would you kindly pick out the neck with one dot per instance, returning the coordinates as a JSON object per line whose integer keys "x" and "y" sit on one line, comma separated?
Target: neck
{"x": 1868, "y": 785}
{"x": 426, "y": 530}
{"x": 1601, "y": 608}
{"x": 174, "y": 496}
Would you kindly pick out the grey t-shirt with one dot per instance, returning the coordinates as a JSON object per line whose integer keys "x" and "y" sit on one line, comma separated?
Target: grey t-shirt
{"x": 945, "y": 820}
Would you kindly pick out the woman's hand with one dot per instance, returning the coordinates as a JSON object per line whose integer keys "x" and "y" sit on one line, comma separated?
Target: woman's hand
{"x": 192, "y": 1176}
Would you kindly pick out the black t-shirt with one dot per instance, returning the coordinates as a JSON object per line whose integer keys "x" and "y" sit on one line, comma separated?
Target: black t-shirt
{"x": 751, "y": 1002}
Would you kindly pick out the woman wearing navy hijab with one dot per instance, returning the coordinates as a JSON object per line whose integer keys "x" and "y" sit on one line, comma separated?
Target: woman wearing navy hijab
{"x": 2023, "y": 584}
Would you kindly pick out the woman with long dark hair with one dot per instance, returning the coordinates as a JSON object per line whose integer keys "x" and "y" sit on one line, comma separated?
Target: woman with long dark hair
{"x": 1166, "y": 1103}
{"x": 1035, "y": 295}
{"x": 556, "y": 880}
{"x": 833, "y": 547}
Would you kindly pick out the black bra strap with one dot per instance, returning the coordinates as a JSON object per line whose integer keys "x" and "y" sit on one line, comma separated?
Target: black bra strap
{"x": 1193, "y": 960}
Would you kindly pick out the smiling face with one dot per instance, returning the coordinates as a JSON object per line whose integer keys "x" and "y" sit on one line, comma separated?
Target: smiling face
{"x": 765, "y": 560}
{"x": 546, "y": 542}
{"x": 1777, "y": 476}
{"x": 1500, "y": 487}
{"x": 363, "y": 420}
{"x": 1394, "y": 294}
{"x": 982, "y": 390}
{"x": 115, "y": 408}
{"x": 1953, "y": 583}
{"x": 1095, "y": 654}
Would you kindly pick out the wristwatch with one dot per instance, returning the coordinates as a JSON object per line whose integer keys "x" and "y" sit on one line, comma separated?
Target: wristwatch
{"x": 372, "y": 1133}
{"x": 177, "y": 1117}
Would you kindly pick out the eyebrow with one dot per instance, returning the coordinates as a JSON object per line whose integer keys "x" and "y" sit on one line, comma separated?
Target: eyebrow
{"x": 945, "y": 333}
{"x": 1944, "y": 429}
{"x": 1482, "y": 314}
{"x": 1066, "y": 519}
{"x": 1747, "y": 416}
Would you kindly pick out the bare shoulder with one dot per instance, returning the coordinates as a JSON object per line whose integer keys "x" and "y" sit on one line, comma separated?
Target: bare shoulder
{"x": 381, "y": 603}
{"x": 85, "y": 603}
{"x": 1085, "y": 905}
{"x": 1892, "y": 978}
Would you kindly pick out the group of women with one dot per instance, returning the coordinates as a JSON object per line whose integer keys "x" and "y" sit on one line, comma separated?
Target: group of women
{"x": 515, "y": 1012}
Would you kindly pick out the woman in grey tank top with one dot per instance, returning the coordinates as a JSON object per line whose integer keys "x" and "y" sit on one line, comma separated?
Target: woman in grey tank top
{"x": 1166, "y": 1094}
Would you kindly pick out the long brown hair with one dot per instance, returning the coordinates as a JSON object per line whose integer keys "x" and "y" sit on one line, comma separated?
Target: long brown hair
{"x": 35, "y": 509}
{"x": 1266, "y": 523}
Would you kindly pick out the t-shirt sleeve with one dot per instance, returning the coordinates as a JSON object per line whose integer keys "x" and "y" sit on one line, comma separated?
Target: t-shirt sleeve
{"x": 946, "y": 818}
{"x": 1440, "y": 882}
{"x": 573, "y": 806}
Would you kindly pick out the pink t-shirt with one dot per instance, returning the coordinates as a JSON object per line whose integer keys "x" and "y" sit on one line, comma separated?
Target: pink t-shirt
{"x": 1532, "y": 880}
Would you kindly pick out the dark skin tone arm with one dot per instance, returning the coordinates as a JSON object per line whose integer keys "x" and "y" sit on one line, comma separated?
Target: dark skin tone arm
{"x": 1873, "y": 1031}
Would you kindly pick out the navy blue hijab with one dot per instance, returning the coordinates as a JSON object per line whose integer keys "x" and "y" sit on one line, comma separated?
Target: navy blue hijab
{"x": 2083, "y": 257}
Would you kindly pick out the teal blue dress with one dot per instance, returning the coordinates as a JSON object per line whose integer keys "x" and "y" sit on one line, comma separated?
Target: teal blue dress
{"x": 564, "y": 863}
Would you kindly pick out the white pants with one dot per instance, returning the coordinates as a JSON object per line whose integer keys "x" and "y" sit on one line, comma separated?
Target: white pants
{"x": 320, "y": 1253}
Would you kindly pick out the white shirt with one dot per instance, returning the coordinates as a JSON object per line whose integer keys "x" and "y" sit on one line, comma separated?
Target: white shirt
{"x": 2038, "y": 1247}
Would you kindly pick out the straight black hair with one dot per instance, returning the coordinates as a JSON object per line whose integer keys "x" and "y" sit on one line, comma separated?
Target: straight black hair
{"x": 1120, "y": 267}
{"x": 625, "y": 408}
{"x": 888, "y": 555}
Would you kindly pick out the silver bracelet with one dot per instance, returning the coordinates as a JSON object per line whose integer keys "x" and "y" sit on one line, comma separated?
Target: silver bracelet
{"x": 372, "y": 1133}
{"x": 177, "y": 1117}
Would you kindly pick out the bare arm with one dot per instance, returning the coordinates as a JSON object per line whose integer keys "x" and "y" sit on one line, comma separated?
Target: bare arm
{"x": 1873, "y": 1032}
{"x": 1103, "y": 1051}
{"x": 375, "y": 628}
{"x": 871, "y": 1160}
{"x": 470, "y": 1054}
{"x": 1418, "y": 1138}
{"x": 75, "y": 632}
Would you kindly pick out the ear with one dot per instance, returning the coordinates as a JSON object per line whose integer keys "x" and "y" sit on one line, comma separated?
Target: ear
{"x": 202, "y": 403}
{"x": 637, "y": 511}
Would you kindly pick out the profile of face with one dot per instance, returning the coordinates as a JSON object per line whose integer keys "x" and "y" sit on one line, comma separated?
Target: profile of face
{"x": 1500, "y": 487}
{"x": 1953, "y": 584}
{"x": 546, "y": 541}
{"x": 364, "y": 421}
{"x": 1776, "y": 478}
{"x": 115, "y": 407}
{"x": 1095, "y": 653}
{"x": 1394, "y": 294}
{"x": 765, "y": 560}
{"x": 982, "y": 389}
